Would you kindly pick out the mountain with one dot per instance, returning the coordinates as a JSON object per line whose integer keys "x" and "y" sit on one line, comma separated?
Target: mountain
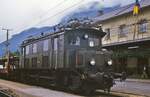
{"x": 90, "y": 11}
{"x": 17, "y": 39}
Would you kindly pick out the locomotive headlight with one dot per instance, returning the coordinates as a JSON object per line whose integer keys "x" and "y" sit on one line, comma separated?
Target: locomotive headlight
{"x": 110, "y": 62}
{"x": 92, "y": 62}
{"x": 86, "y": 36}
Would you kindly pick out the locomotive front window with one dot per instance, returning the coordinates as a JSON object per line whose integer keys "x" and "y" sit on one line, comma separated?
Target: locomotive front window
{"x": 93, "y": 42}
{"x": 75, "y": 41}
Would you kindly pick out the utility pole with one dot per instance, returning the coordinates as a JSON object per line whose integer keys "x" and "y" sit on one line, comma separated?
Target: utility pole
{"x": 7, "y": 47}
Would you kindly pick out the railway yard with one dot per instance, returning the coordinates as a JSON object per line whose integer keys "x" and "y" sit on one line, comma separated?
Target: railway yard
{"x": 125, "y": 89}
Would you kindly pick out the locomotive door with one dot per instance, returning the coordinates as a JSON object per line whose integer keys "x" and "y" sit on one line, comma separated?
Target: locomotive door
{"x": 80, "y": 58}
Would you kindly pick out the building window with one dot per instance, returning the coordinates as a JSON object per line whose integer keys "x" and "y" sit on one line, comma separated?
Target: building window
{"x": 45, "y": 45}
{"x": 142, "y": 26}
{"x": 27, "y": 50}
{"x": 108, "y": 34}
{"x": 34, "y": 48}
{"x": 123, "y": 30}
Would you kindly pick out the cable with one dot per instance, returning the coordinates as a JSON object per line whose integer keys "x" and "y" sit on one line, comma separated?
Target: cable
{"x": 59, "y": 4}
{"x": 42, "y": 15}
{"x": 53, "y": 15}
{"x": 59, "y": 13}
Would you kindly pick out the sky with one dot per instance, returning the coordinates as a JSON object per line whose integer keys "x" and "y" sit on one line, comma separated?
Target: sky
{"x": 19, "y": 15}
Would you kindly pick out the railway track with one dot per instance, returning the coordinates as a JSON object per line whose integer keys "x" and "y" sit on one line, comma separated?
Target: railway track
{"x": 5, "y": 92}
{"x": 123, "y": 94}
{"x": 100, "y": 93}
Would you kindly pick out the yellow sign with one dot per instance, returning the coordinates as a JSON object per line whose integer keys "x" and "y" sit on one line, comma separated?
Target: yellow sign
{"x": 136, "y": 10}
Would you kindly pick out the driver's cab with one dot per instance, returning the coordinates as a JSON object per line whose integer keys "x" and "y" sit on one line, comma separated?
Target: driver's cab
{"x": 83, "y": 46}
{"x": 83, "y": 38}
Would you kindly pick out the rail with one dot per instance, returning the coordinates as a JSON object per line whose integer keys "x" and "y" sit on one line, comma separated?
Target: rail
{"x": 6, "y": 93}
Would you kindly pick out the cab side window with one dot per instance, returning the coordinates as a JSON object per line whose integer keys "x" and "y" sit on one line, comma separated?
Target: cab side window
{"x": 27, "y": 50}
{"x": 45, "y": 45}
{"x": 34, "y": 48}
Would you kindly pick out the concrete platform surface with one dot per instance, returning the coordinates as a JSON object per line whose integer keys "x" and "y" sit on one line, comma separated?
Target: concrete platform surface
{"x": 125, "y": 89}
{"x": 32, "y": 91}
{"x": 133, "y": 87}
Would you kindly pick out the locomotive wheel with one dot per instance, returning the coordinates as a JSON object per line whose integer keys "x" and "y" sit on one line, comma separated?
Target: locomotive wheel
{"x": 75, "y": 83}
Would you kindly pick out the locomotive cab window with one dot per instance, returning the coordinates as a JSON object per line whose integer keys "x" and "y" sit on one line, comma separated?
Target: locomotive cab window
{"x": 27, "y": 50}
{"x": 45, "y": 45}
{"x": 75, "y": 41}
{"x": 34, "y": 48}
{"x": 92, "y": 42}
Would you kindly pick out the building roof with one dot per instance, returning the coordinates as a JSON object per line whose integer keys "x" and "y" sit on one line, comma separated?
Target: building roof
{"x": 121, "y": 11}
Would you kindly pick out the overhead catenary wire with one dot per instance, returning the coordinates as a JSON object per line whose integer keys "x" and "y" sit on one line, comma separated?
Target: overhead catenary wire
{"x": 60, "y": 12}
{"x": 45, "y": 13}
{"x": 55, "y": 15}
{"x": 53, "y": 8}
{"x": 49, "y": 18}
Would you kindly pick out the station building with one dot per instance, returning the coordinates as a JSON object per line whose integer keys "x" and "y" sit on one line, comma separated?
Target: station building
{"x": 129, "y": 38}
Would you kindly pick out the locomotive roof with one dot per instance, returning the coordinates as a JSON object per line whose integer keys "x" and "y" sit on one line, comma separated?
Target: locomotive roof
{"x": 32, "y": 39}
{"x": 92, "y": 30}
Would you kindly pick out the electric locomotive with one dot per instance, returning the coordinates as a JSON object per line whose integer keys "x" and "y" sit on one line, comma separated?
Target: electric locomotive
{"x": 71, "y": 58}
